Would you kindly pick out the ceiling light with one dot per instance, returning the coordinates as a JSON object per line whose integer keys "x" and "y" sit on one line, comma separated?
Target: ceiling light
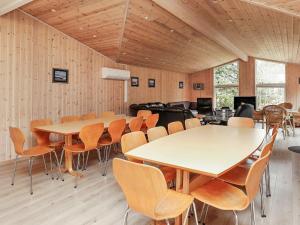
{"x": 146, "y": 17}
{"x": 230, "y": 20}
{"x": 171, "y": 30}
{"x": 53, "y": 10}
{"x": 94, "y": 35}
{"x": 146, "y": 58}
{"x": 80, "y": 28}
{"x": 124, "y": 53}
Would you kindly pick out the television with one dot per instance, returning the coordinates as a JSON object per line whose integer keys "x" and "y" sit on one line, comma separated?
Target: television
{"x": 238, "y": 100}
{"x": 205, "y": 105}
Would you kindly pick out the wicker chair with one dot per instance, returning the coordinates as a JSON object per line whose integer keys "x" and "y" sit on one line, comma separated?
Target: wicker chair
{"x": 275, "y": 116}
{"x": 258, "y": 116}
{"x": 286, "y": 105}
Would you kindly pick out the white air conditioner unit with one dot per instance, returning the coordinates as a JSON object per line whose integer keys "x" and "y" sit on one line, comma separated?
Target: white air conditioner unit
{"x": 115, "y": 74}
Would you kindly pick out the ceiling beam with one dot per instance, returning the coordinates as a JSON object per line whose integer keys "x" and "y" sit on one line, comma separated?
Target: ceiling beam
{"x": 274, "y": 6}
{"x": 184, "y": 12}
{"x": 9, "y": 5}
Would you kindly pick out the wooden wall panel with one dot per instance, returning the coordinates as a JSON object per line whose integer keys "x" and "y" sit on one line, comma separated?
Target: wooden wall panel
{"x": 247, "y": 77}
{"x": 205, "y": 77}
{"x": 30, "y": 49}
{"x": 292, "y": 85}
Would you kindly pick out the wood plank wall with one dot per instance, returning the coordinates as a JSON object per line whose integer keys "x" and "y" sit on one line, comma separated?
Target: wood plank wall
{"x": 30, "y": 49}
{"x": 292, "y": 85}
{"x": 205, "y": 77}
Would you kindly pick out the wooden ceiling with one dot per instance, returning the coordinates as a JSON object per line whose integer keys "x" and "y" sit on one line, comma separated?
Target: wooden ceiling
{"x": 140, "y": 32}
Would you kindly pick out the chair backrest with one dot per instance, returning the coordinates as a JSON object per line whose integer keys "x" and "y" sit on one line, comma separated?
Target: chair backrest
{"x": 116, "y": 129}
{"x": 286, "y": 105}
{"x": 156, "y": 133}
{"x": 136, "y": 124}
{"x": 144, "y": 113}
{"x": 254, "y": 176}
{"x": 132, "y": 140}
{"x": 274, "y": 114}
{"x": 42, "y": 138}
{"x": 143, "y": 186}
{"x": 192, "y": 123}
{"x": 266, "y": 149}
{"x": 241, "y": 122}
{"x": 90, "y": 135}
{"x": 89, "y": 116}
{"x": 152, "y": 120}
{"x": 67, "y": 119}
{"x": 107, "y": 114}
{"x": 175, "y": 127}
{"x": 18, "y": 139}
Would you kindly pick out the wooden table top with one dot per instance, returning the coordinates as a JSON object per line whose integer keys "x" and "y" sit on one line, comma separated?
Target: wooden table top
{"x": 208, "y": 150}
{"x": 75, "y": 127}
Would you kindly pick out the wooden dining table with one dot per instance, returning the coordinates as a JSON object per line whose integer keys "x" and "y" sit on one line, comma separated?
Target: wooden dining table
{"x": 209, "y": 151}
{"x": 73, "y": 128}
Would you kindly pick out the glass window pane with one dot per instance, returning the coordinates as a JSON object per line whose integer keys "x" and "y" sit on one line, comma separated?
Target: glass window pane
{"x": 225, "y": 96}
{"x": 269, "y": 96}
{"x": 269, "y": 72}
{"x": 227, "y": 74}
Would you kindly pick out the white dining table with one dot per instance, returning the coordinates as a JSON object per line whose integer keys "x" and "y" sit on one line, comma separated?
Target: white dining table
{"x": 207, "y": 150}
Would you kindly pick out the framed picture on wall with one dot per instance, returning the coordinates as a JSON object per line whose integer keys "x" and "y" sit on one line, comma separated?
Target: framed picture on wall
{"x": 60, "y": 75}
{"x": 181, "y": 84}
{"x": 151, "y": 83}
{"x": 134, "y": 81}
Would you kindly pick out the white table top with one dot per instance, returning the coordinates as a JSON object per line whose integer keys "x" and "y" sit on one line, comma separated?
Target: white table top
{"x": 208, "y": 150}
{"x": 75, "y": 127}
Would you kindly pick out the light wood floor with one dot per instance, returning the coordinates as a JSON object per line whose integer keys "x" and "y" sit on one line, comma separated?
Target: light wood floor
{"x": 98, "y": 200}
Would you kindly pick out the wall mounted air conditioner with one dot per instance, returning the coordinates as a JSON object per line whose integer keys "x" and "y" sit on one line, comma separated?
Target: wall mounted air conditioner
{"x": 115, "y": 74}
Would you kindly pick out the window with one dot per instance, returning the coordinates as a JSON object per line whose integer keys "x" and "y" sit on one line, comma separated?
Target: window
{"x": 270, "y": 83}
{"x": 226, "y": 83}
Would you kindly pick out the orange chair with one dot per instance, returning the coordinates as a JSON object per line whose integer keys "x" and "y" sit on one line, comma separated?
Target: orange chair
{"x": 221, "y": 195}
{"x": 144, "y": 113}
{"x": 135, "y": 139}
{"x": 89, "y": 135}
{"x": 43, "y": 138}
{"x": 192, "y": 123}
{"x": 136, "y": 124}
{"x": 115, "y": 131}
{"x": 67, "y": 119}
{"x": 175, "y": 127}
{"x": 108, "y": 114}
{"x": 150, "y": 122}
{"x": 146, "y": 192}
{"x": 89, "y": 116}
{"x": 18, "y": 140}
{"x": 241, "y": 122}
{"x": 156, "y": 133}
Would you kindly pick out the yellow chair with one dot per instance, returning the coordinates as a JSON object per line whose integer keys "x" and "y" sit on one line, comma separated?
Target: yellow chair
{"x": 108, "y": 114}
{"x": 146, "y": 192}
{"x": 144, "y": 113}
{"x": 135, "y": 124}
{"x": 156, "y": 132}
{"x": 89, "y": 135}
{"x": 241, "y": 122}
{"x": 192, "y": 123}
{"x": 43, "y": 138}
{"x": 175, "y": 127}
{"x": 135, "y": 139}
{"x": 224, "y": 196}
{"x": 89, "y": 116}
{"x": 18, "y": 140}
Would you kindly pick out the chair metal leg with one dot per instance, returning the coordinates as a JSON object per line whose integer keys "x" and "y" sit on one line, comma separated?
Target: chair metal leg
{"x": 61, "y": 157}
{"x": 262, "y": 206}
{"x": 202, "y": 211}
{"x": 195, "y": 212}
{"x": 126, "y": 216}
{"x": 186, "y": 215}
{"x": 167, "y": 222}
{"x": 14, "y": 173}
{"x": 46, "y": 169}
{"x": 99, "y": 156}
{"x": 58, "y": 166}
{"x": 252, "y": 206}
{"x": 30, "y": 172}
{"x": 51, "y": 166}
{"x": 107, "y": 151}
{"x": 269, "y": 180}
{"x": 77, "y": 168}
{"x": 87, "y": 159}
{"x": 236, "y": 218}
{"x": 83, "y": 161}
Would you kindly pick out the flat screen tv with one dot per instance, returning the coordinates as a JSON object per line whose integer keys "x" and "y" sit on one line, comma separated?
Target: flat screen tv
{"x": 238, "y": 100}
{"x": 204, "y": 105}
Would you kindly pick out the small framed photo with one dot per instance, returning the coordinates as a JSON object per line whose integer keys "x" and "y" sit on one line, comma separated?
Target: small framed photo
{"x": 134, "y": 81}
{"x": 60, "y": 75}
{"x": 151, "y": 83}
{"x": 181, "y": 84}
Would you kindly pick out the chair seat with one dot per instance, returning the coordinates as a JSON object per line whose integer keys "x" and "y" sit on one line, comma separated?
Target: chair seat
{"x": 173, "y": 205}
{"x": 57, "y": 144}
{"x": 168, "y": 172}
{"x": 221, "y": 195}
{"x": 37, "y": 151}
{"x": 237, "y": 176}
{"x": 105, "y": 141}
{"x": 75, "y": 148}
